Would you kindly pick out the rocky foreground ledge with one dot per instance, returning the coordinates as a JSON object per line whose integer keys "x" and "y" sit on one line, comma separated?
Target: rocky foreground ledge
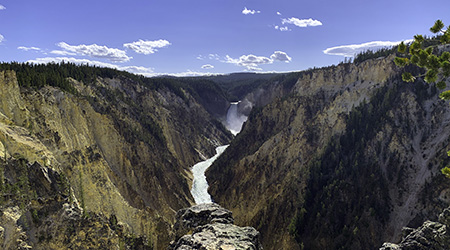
{"x": 431, "y": 235}
{"x": 210, "y": 227}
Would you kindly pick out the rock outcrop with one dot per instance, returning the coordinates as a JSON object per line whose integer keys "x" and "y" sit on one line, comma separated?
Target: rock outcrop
{"x": 430, "y": 236}
{"x": 209, "y": 226}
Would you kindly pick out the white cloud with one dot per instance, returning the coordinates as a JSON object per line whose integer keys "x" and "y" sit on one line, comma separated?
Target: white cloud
{"x": 282, "y": 28}
{"x": 207, "y": 66}
{"x": 138, "y": 70}
{"x": 28, "y": 48}
{"x": 278, "y": 13}
{"x": 353, "y": 49}
{"x": 147, "y": 47}
{"x": 280, "y": 56}
{"x": 133, "y": 69}
{"x": 302, "y": 23}
{"x": 252, "y": 12}
{"x": 62, "y": 53}
{"x": 2, "y": 7}
{"x": 252, "y": 62}
{"x": 1, "y": 38}
{"x": 94, "y": 50}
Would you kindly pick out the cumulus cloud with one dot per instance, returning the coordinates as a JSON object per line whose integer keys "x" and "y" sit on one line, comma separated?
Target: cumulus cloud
{"x": 28, "y": 48}
{"x": 138, "y": 70}
{"x": 63, "y": 53}
{"x": 147, "y": 47}
{"x": 252, "y": 62}
{"x": 302, "y": 23}
{"x": 278, "y": 13}
{"x": 280, "y": 56}
{"x": 250, "y": 12}
{"x": 2, "y": 7}
{"x": 1, "y": 38}
{"x": 353, "y": 49}
{"x": 133, "y": 69}
{"x": 282, "y": 28}
{"x": 207, "y": 66}
{"x": 94, "y": 50}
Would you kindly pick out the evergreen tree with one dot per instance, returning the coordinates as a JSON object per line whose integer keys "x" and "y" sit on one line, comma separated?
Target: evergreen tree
{"x": 428, "y": 57}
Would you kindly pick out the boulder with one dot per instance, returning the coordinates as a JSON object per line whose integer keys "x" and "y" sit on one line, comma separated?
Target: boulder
{"x": 431, "y": 235}
{"x": 209, "y": 226}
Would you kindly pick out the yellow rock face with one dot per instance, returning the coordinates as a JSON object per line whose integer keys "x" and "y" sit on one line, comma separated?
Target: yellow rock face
{"x": 12, "y": 106}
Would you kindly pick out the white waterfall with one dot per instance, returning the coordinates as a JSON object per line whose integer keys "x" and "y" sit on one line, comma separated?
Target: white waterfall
{"x": 200, "y": 186}
{"x": 234, "y": 119}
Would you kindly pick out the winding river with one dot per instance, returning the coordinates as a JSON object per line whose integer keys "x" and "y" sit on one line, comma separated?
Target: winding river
{"x": 200, "y": 186}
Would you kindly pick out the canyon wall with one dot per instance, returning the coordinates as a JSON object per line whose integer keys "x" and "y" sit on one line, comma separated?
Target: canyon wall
{"x": 124, "y": 149}
{"x": 344, "y": 160}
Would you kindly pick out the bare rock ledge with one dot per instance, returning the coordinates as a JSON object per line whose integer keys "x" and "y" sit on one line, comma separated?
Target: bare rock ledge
{"x": 211, "y": 228}
{"x": 431, "y": 235}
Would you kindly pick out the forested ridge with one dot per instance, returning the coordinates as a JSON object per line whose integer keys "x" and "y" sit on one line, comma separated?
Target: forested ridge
{"x": 31, "y": 75}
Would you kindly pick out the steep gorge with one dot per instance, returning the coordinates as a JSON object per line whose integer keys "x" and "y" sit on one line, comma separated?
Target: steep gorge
{"x": 343, "y": 161}
{"x": 125, "y": 149}
{"x": 335, "y": 158}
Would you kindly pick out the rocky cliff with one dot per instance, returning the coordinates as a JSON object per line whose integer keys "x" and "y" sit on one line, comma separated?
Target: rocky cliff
{"x": 38, "y": 211}
{"x": 123, "y": 148}
{"x": 342, "y": 161}
{"x": 431, "y": 235}
{"x": 209, "y": 226}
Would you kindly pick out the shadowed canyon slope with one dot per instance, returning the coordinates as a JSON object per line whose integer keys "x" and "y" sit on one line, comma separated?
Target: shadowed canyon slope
{"x": 343, "y": 161}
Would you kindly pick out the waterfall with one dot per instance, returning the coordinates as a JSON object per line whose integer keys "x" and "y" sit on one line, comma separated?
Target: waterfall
{"x": 234, "y": 119}
{"x": 199, "y": 185}
{"x": 199, "y": 189}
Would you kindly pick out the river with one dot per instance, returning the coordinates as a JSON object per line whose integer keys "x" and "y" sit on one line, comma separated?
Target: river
{"x": 200, "y": 186}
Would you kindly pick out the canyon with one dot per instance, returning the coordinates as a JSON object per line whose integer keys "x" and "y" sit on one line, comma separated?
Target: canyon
{"x": 340, "y": 157}
{"x": 124, "y": 150}
{"x": 346, "y": 159}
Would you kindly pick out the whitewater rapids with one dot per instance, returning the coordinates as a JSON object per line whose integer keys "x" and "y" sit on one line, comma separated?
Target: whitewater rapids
{"x": 200, "y": 186}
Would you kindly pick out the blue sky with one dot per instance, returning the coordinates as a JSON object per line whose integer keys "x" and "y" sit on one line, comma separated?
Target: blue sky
{"x": 198, "y": 37}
